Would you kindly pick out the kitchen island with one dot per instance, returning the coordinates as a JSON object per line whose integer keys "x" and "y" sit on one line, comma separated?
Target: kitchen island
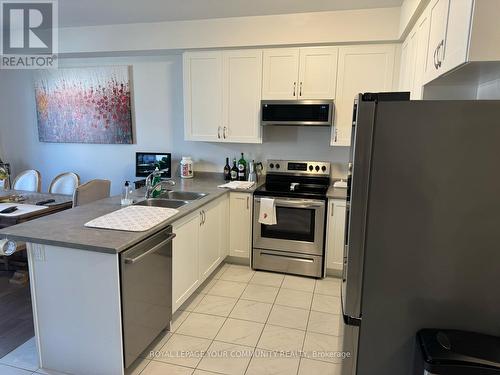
{"x": 75, "y": 273}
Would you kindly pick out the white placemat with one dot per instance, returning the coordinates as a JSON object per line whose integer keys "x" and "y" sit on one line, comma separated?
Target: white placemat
{"x": 238, "y": 185}
{"x": 22, "y": 209}
{"x": 133, "y": 218}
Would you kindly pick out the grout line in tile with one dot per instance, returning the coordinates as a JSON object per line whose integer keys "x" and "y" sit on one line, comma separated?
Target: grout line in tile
{"x": 225, "y": 320}
{"x": 307, "y": 325}
{"x": 265, "y": 325}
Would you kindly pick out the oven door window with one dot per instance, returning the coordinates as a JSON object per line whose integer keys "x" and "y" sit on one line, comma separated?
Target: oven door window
{"x": 295, "y": 224}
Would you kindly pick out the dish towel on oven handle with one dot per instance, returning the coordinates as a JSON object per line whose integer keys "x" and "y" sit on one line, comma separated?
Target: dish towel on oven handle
{"x": 267, "y": 213}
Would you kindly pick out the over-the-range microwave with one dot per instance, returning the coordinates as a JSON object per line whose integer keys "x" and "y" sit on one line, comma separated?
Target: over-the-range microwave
{"x": 297, "y": 112}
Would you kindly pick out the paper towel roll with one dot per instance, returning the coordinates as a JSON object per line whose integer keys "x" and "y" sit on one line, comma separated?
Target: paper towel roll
{"x": 7, "y": 247}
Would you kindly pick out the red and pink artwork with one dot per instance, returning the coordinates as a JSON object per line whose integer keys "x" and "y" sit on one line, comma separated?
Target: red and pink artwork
{"x": 84, "y": 105}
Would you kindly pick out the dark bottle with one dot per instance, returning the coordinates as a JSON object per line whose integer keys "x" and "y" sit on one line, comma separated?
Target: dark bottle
{"x": 234, "y": 171}
{"x": 227, "y": 171}
{"x": 242, "y": 169}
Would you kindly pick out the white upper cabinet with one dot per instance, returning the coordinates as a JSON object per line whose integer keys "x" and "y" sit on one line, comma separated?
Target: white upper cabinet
{"x": 317, "y": 72}
{"x": 407, "y": 71}
{"x": 421, "y": 32}
{"x": 299, "y": 73}
{"x": 364, "y": 68}
{"x": 280, "y": 73}
{"x": 438, "y": 18}
{"x": 222, "y": 92}
{"x": 413, "y": 58}
{"x": 241, "y": 96}
{"x": 457, "y": 33}
{"x": 202, "y": 95}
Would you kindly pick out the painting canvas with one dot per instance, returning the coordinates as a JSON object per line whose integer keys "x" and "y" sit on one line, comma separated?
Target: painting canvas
{"x": 84, "y": 105}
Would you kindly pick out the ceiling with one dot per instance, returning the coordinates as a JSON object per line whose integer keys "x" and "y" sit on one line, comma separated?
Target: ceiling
{"x": 109, "y": 12}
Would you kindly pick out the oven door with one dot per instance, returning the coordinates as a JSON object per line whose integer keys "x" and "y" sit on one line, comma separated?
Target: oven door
{"x": 300, "y": 226}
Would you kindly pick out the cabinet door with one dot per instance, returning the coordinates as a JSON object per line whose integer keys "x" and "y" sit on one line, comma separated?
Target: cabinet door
{"x": 209, "y": 240}
{"x": 203, "y": 96}
{"x": 421, "y": 49}
{"x": 408, "y": 56}
{"x": 240, "y": 227}
{"x": 280, "y": 73}
{"x": 457, "y": 33}
{"x": 242, "y": 89}
{"x": 361, "y": 69}
{"x": 438, "y": 15}
{"x": 335, "y": 237}
{"x": 224, "y": 227}
{"x": 185, "y": 273}
{"x": 317, "y": 72}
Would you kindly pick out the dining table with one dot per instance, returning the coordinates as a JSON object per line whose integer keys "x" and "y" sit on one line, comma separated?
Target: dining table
{"x": 29, "y": 206}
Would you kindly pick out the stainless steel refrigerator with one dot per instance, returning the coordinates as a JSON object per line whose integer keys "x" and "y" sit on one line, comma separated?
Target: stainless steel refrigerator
{"x": 422, "y": 245}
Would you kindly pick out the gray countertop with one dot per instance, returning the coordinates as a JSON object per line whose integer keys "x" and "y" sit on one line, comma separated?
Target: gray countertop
{"x": 66, "y": 229}
{"x": 336, "y": 193}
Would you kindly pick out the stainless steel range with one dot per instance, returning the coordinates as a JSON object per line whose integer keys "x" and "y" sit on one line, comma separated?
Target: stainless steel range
{"x": 296, "y": 243}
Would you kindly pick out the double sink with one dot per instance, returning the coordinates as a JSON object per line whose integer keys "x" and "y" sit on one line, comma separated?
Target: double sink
{"x": 172, "y": 199}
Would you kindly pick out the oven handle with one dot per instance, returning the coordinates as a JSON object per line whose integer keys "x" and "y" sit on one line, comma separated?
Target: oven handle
{"x": 297, "y": 203}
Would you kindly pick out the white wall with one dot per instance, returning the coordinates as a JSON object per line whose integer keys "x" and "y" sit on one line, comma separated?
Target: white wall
{"x": 489, "y": 90}
{"x": 158, "y": 110}
{"x": 350, "y": 26}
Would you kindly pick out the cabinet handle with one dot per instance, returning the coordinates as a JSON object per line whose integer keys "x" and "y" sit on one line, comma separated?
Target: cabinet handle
{"x": 335, "y": 136}
{"x": 331, "y": 213}
{"x": 435, "y": 58}
{"x": 294, "y": 87}
{"x": 218, "y": 132}
{"x": 439, "y": 61}
{"x": 300, "y": 89}
{"x": 201, "y": 218}
{"x": 248, "y": 203}
{"x": 203, "y": 215}
{"x": 224, "y": 132}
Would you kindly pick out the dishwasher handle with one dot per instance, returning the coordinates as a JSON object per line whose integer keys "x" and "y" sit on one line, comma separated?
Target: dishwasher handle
{"x": 150, "y": 251}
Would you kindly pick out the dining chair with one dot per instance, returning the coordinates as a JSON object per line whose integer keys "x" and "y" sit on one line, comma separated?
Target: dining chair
{"x": 91, "y": 191}
{"x": 65, "y": 183}
{"x": 29, "y": 180}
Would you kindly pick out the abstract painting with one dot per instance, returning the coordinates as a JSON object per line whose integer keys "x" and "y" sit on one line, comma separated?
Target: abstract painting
{"x": 84, "y": 105}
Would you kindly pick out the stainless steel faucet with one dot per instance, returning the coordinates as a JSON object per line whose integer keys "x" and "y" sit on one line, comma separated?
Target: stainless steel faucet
{"x": 149, "y": 184}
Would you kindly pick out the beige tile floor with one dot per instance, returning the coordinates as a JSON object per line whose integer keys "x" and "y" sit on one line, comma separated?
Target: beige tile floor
{"x": 240, "y": 322}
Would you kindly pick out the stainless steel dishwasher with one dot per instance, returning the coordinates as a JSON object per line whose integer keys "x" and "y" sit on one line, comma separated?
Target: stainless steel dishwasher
{"x": 146, "y": 291}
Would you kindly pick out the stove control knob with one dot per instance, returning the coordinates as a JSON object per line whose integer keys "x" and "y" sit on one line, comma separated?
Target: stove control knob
{"x": 311, "y": 168}
{"x": 271, "y": 165}
{"x": 317, "y": 168}
{"x": 323, "y": 168}
{"x": 277, "y": 166}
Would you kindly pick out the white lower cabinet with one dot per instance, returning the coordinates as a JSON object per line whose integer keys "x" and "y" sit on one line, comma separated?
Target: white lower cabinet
{"x": 335, "y": 237}
{"x": 199, "y": 247}
{"x": 240, "y": 226}
{"x": 209, "y": 239}
{"x": 185, "y": 272}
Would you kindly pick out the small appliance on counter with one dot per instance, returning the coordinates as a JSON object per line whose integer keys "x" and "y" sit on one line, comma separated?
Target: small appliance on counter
{"x": 295, "y": 244}
{"x": 254, "y": 171}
